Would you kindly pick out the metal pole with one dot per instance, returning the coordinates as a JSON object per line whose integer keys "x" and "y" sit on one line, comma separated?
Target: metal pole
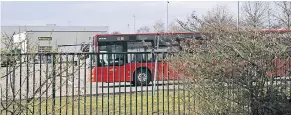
{"x": 133, "y": 23}
{"x": 167, "y": 14}
{"x": 237, "y": 15}
{"x": 128, "y": 28}
{"x": 156, "y": 66}
{"x": 269, "y": 19}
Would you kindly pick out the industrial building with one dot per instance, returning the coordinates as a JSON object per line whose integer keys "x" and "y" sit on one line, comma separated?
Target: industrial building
{"x": 40, "y": 38}
{"x": 49, "y": 38}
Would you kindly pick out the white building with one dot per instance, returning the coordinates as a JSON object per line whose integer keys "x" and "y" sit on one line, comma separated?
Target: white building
{"x": 50, "y": 38}
{"x": 39, "y": 38}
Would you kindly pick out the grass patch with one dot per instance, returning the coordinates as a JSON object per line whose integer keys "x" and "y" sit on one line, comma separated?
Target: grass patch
{"x": 167, "y": 102}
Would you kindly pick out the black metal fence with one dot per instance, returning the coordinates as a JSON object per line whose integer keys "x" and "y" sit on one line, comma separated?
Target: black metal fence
{"x": 61, "y": 83}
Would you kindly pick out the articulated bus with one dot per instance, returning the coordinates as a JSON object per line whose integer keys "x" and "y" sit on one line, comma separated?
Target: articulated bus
{"x": 130, "y": 57}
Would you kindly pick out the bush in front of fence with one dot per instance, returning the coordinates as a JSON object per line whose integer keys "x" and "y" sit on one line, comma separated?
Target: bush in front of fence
{"x": 236, "y": 72}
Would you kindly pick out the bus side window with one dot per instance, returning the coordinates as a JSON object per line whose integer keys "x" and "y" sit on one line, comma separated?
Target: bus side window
{"x": 137, "y": 58}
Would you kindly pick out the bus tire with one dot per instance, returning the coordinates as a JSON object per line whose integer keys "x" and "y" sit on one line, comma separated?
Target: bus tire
{"x": 141, "y": 76}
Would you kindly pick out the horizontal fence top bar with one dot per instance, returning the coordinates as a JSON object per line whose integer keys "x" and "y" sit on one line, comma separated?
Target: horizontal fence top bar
{"x": 92, "y": 53}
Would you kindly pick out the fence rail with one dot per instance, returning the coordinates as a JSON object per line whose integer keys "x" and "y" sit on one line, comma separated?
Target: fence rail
{"x": 101, "y": 83}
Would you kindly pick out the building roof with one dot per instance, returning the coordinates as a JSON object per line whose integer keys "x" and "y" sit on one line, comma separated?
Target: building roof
{"x": 19, "y": 29}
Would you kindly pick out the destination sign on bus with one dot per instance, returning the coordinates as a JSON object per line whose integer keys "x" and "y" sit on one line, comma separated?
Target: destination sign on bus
{"x": 115, "y": 38}
{"x": 144, "y": 37}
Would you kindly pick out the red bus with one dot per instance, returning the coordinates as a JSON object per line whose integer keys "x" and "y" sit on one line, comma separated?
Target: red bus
{"x": 130, "y": 57}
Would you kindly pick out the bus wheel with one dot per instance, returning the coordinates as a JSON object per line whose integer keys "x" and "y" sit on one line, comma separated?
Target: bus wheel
{"x": 142, "y": 76}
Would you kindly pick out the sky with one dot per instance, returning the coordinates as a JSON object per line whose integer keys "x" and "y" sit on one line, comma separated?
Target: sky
{"x": 116, "y": 15}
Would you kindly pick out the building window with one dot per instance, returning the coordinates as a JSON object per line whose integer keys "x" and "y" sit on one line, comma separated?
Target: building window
{"x": 44, "y": 49}
{"x": 44, "y": 38}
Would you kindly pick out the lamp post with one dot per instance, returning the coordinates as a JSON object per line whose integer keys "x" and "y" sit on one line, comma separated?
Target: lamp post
{"x": 237, "y": 15}
{"x": 167, "y": 14}
{"x": 133, "y": 23}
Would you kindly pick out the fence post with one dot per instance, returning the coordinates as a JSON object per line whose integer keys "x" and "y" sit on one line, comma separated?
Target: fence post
{"x": 54, "y": 83}
{"x": 156, "y": 65}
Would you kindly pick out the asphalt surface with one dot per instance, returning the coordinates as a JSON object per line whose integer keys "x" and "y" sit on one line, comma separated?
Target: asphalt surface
{"x": 34, "y": 82}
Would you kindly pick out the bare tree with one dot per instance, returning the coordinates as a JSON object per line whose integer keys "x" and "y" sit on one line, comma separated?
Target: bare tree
{"x": 218, "y": 16}
{"x": 116, "y": 32}
{"x": 175, "y": 27}
{"x": 255, "y": 14}
{"x": 31, "y": 80}
{"x": 159, "y": 26}
{"x": 143, "y": 29}
{"x": 193, "y": 23}
{"x": 235, "y": 73}
{"x": 283, "y": 15}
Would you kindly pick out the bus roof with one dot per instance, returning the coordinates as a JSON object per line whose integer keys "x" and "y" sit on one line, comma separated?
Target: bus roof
{"x": 274, "y": 30}
{"x": 149, "y": 33}
{"x": 160, "y": 33}
{"x": 145, "y": 36}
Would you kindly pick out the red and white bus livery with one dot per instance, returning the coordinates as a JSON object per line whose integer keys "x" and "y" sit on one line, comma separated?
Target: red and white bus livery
{"x": 130, "y": 57}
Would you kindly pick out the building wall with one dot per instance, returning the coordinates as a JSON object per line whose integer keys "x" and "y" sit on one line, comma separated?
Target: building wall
{"x": 58, "y": 38}
{"x": 61, "y": 34}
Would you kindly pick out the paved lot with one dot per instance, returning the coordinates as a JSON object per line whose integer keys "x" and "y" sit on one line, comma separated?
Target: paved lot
{"x": 67, "y": 83}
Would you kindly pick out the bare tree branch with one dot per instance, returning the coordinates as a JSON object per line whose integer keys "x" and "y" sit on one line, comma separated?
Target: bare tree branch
{"x": 255, "y": 14}
{"x": 143, "y": 29}
{"x": 283, "y": 14}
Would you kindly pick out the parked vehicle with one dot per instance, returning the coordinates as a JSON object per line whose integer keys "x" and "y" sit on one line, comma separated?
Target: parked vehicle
{"x": 131, "y": 57}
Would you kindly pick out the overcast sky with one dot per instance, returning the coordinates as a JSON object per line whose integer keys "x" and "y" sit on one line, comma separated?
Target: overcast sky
{"x": 116, "y": 15}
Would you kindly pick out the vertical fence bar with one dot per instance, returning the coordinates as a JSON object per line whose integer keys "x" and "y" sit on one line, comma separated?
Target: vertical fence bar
{"x": 102, "y": 80}
{"x": 79, "y": 84}
{"x": 131, "y": 80}
{"x": 119, "y": 84}
{"x": 67, "y": 83}
{"x": 141, "y": 79}
{"x": 163, "y": 82}
{"x": 7, "y": 88}
{"x": 46, "y": 84}
{"x": 20, "y": 82}
{"x": 168, "y": 87}
{"x": 13, "y": 85}
{"x": 27, "y": 83}
{"x": 96, "y": 76}
{"x": 289, "y": 80}
{"x": 285, "y": 76}
{"x": 113, "y": 86}
{"x": 73, "y": 82}
{"x": 85, "y": 84}
{"x": 157, "y": 82}
{"x": 61, "y": 83}
{"x": 90, "y": 80}
{"x": 40, "y": 82}
{"x": 153, "y": 82}
{"x": 174, "y": 92}
{"x": 33, "y": 87}
{"x": 179, "y": 109}
{"x": 135, "y": 83}
{"x": 124, "y": 74}
{"x": 54, "y": 84}
{"x": 147, "y": 86}
{"x": 108, "y": 75}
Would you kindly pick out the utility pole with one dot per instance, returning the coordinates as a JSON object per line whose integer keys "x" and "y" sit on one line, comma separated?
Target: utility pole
{"x": 167, "y": 14}
{"x": 128, "y": 28}
{"x": 133, "y": 23}
{"x": 237, "y": 15}
{"x": 269, "y": 20}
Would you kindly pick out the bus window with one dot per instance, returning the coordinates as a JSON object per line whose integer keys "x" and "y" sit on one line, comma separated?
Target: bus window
{"x": 112, "y": 58}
